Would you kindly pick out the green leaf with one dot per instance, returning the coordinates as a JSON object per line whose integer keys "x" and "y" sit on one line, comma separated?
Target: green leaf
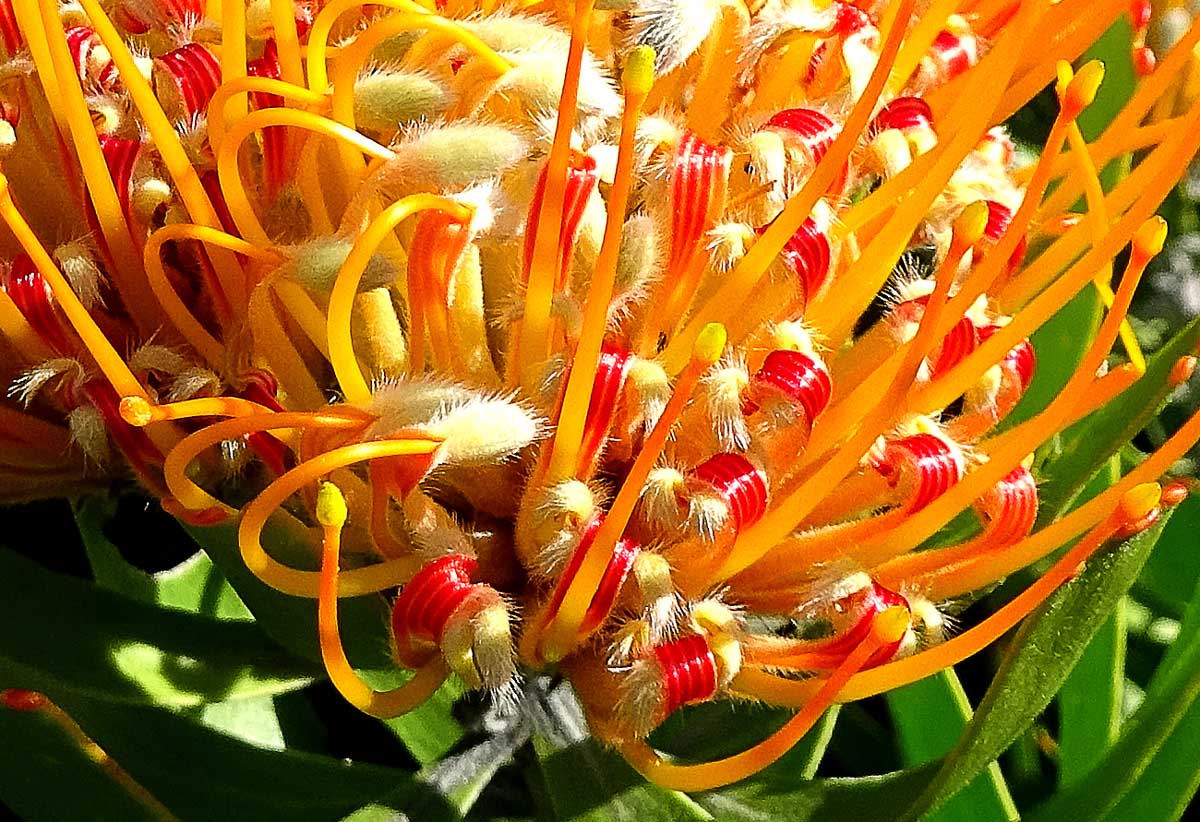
{"x": 225, "y": 778}
{"x": 1043, "y": 652}
{"x": 585, "y": 781}
{"x": 1152, "y": 771}
{"x": 1086, "y": 446}
{"x": 1172, "y": 573}
{"x": 292, "y": 621}
{"x": 63, "y": 633}
{"x": 1089, "y": 704}
{"x": 929, "y": 715}
{"x": 195, "y": 585}
{"x": 430, "y": 730}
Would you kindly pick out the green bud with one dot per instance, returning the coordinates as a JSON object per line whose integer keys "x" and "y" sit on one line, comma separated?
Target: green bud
{"x": 385, "y": 100}
{"x": 316, "y": 265}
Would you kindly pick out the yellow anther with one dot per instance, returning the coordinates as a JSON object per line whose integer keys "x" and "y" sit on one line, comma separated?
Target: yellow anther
{"x": 891, "y": 624}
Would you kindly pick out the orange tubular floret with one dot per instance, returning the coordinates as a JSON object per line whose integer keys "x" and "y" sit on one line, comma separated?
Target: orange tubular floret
{"x": 332, "y": 514}
{"x": 535, "y": 321}
{"x": 561, "y": 633}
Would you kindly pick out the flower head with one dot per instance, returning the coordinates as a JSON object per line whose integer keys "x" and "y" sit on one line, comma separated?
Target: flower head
{"x": 617, "y": 339}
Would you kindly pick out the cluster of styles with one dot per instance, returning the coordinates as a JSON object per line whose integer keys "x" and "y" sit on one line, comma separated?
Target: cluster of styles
{"x": 648, "y": 341}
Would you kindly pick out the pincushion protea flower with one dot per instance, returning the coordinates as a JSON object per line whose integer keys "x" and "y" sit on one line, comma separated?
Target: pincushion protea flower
{"x": 612, "y": 338}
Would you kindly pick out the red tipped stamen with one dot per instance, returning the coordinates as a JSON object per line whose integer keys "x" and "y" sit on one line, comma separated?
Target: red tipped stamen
{"x": 187, "y": 77}
{"x": 799, "y": 378}
{"x": 738, "y": 482}
{"x": 121, "y": 155}
{"x": 924, "y": 466}
{"x": 953, "y": 54}
{"x": 961, "y": 341}
{"x": 92, "y": 61}
{"x": 426, "y": 604}
{"x": 29, "y": 292}
{"x": 808, "y": 255}
{"x": 999, "y": 218}
{"x": 1009, "y": 509}
{"x": 689, "y": 672}
{"x": 606, "y": 391}
{"x": 903, "y": 113}
{"x": 582, "y": 178}
{"x": 619, "y": 565}
{"x": 699, "y": 175}
{"x": 868, "y": 603}
{"x": 274, "y": 138}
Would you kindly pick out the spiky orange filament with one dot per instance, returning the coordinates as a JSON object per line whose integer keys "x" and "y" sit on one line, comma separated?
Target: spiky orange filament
{"x": 192, "y": 330}
{"x": 138, "y": 412}
{"x": 713, "y": 94}
{"x": 167, "y": 142}
{"x": 534, "y": 340}
{"x": 569, "y": 433}
{"x": 853, "y": 408}
{"x": 287, "y": 41}
{"x": 341, "y": 298}
{"x": 561, "y": 633}
{"x": 1033, "y": 432}
{"x": 1148, "y": 91}
{"x": 304, "y": 583}
{"x": 279, "y": 351}
{"x": 1097, "y": 219}
{"x": 318, "y": 35}
{"x": 59, "y": 81}
{"x": 230, "y": 176}
{"x": 1132, "y": 506}
{"x": 175, "y": 468}
{"x": 739, "y": 283}
{"x": 331, "y": 514}
{"x": 886, "y": 628}
{"x": 229, "y": 89}
{"x": 753, "y": 543}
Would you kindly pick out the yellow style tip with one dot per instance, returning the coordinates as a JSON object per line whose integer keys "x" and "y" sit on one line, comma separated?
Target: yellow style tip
{"x": 710, "y": 344}
{"x": 638, "y": 76}
{"x": 331, "y": 506}
{"x": 1140, "y": 501}
{"x": 136, "y": 411}
{"x": 1079, "y": 90}
{"x": 1149, "y": 239}
{"x": 971, "y": 223}
{"x": 890, "y": 626}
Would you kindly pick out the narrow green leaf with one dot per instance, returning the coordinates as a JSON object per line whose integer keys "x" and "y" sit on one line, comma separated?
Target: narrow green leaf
{"x": 1042, "y": 653}
{"x": 225, "y": 778}
{"x": 1152, "y": 769}
{"x": 1089, "y": 704}
{"x": 930, "y": 715}
{"x": 63, "y": 633}
{"x": 1087, "y": 445}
